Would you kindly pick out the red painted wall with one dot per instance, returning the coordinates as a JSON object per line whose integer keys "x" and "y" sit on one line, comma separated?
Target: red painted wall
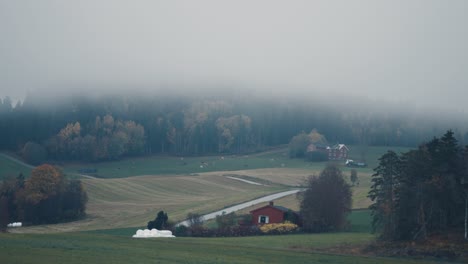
{"x": 275, "y": 215}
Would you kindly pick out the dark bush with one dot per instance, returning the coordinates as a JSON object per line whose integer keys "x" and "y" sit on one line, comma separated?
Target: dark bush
{"x": 316, "y": 156}
{"x": 160, "y": 222}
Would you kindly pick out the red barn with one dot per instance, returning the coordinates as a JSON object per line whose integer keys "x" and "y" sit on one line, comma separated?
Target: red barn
{"x": 269, "y": 214}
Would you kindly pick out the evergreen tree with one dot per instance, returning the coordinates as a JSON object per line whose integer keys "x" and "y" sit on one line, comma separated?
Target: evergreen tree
{"x": 160, "y": 222}
{"x": 420, "y": 192}
{"x": 384, "y": 195}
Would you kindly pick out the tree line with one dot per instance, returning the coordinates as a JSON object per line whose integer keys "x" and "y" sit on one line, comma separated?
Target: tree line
{"x": 105, "y": 139}
{"x": 46, "y": 197}
{"x": 100, "y": 128}
{"x": 420, "y": 192}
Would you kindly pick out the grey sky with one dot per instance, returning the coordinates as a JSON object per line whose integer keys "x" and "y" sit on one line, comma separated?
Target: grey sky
{"x": 410, "y": 50}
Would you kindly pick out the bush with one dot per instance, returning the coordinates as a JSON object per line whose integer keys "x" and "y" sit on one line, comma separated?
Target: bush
{"x": 200, "y": 231}
{"x": 283, "y": 228}
{"x": 195, "y": 219}
{"x": 226, "y": 220}
{"x": 160, "y": 222}
{"x": 180, "y": 231}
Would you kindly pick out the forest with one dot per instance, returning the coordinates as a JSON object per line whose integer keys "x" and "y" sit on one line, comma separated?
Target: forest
{"x": 96, "y": 128}
{"x": 421, "y": 192}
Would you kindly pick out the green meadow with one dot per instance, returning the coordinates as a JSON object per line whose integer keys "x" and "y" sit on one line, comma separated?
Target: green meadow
{"x": 102, "y": 248}
{"x": 168, "y": 165}
{"x": 163, "y": 165}
{"x": 10, "y": 168}
{"x": 119, "y": 199}
{"x": 120, "y": 204}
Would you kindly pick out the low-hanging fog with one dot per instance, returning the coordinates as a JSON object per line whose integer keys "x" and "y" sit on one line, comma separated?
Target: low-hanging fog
{"x": 399, "y": 51}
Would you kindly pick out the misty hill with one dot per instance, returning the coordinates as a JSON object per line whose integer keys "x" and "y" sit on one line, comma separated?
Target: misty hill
{"x": 182, "y": 124}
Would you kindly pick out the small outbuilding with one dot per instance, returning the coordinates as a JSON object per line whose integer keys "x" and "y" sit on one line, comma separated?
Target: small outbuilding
{"x": 271, "y": 214}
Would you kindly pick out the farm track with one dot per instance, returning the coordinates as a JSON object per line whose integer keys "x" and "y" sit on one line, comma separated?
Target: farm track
{"x": 20, "y": 162}
{"x": 241, "y": 206}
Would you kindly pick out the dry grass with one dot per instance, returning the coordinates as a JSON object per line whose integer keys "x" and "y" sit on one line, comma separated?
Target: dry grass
{"x": 132, "y": 202}
{"x": 297, "y": 177}
{"x": 284, "y": 176}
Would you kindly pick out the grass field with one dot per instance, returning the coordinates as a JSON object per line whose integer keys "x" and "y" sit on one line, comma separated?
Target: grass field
{"x": 119, "y": 205}
{"x": 164, "y": 165}
{"x": 101, "y": 248}
{"x": 132, "y": 202}
{"x": 117, "y": 246}
{"x": 10, "y": 168}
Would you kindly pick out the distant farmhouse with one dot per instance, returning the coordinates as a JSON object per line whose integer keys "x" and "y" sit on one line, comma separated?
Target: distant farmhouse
{"x": 335, "y": 152}
{"x": 272, "y": 214}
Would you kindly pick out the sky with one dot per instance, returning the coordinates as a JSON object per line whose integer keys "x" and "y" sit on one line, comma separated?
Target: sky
{"x": 413, "y": 51}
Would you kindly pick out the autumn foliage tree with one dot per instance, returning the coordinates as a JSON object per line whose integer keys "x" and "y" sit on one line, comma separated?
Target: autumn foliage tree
{"x": 105, "y": 139}
{"x": 45, "y": 182}
{"x": 46, "y": 197}
{"x": 299, "y": 143}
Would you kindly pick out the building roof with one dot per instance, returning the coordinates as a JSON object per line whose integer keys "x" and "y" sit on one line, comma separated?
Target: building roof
{"x": 339, "y": 146}
{"x": 277, "y": 207}
{"x": 284, "y": 209}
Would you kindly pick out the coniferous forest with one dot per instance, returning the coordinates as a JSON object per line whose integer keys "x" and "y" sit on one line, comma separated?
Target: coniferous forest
{"x": 96, "y": 128}
{"x": 421, "y": 192}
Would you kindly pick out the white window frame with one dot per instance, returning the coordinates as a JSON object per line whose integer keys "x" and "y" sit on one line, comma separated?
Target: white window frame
{"x": 267, "y": 219}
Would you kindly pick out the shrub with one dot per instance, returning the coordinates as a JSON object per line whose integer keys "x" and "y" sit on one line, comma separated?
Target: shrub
{"x": 180, "y": 231}
{"x": 160, "y": 222}
{"x": 226, "y": 220}
{"x": 283, "y": 228}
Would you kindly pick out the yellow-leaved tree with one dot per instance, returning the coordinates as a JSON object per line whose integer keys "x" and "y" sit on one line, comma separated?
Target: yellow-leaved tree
{"x": 48, "y": 197}
{"x": 45, "y": 181}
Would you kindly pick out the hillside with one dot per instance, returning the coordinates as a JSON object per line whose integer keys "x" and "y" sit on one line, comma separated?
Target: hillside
{"x": 116, "y": 200}
{"x": 132, "y": 202}
{"x": 10, "y": 166}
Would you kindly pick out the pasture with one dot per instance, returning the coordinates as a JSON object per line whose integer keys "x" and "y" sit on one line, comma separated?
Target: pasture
{"x": 118, "y": 201}
{"x": 102, "y": 248}
{"x": 118, "y": 205}
{"x": 10, "y": 168}
{"x": 132, "y": 202}
{"x": 168, "y": 165}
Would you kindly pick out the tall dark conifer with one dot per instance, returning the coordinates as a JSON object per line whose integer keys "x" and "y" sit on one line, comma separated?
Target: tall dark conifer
{"x": 384, "y": 194}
